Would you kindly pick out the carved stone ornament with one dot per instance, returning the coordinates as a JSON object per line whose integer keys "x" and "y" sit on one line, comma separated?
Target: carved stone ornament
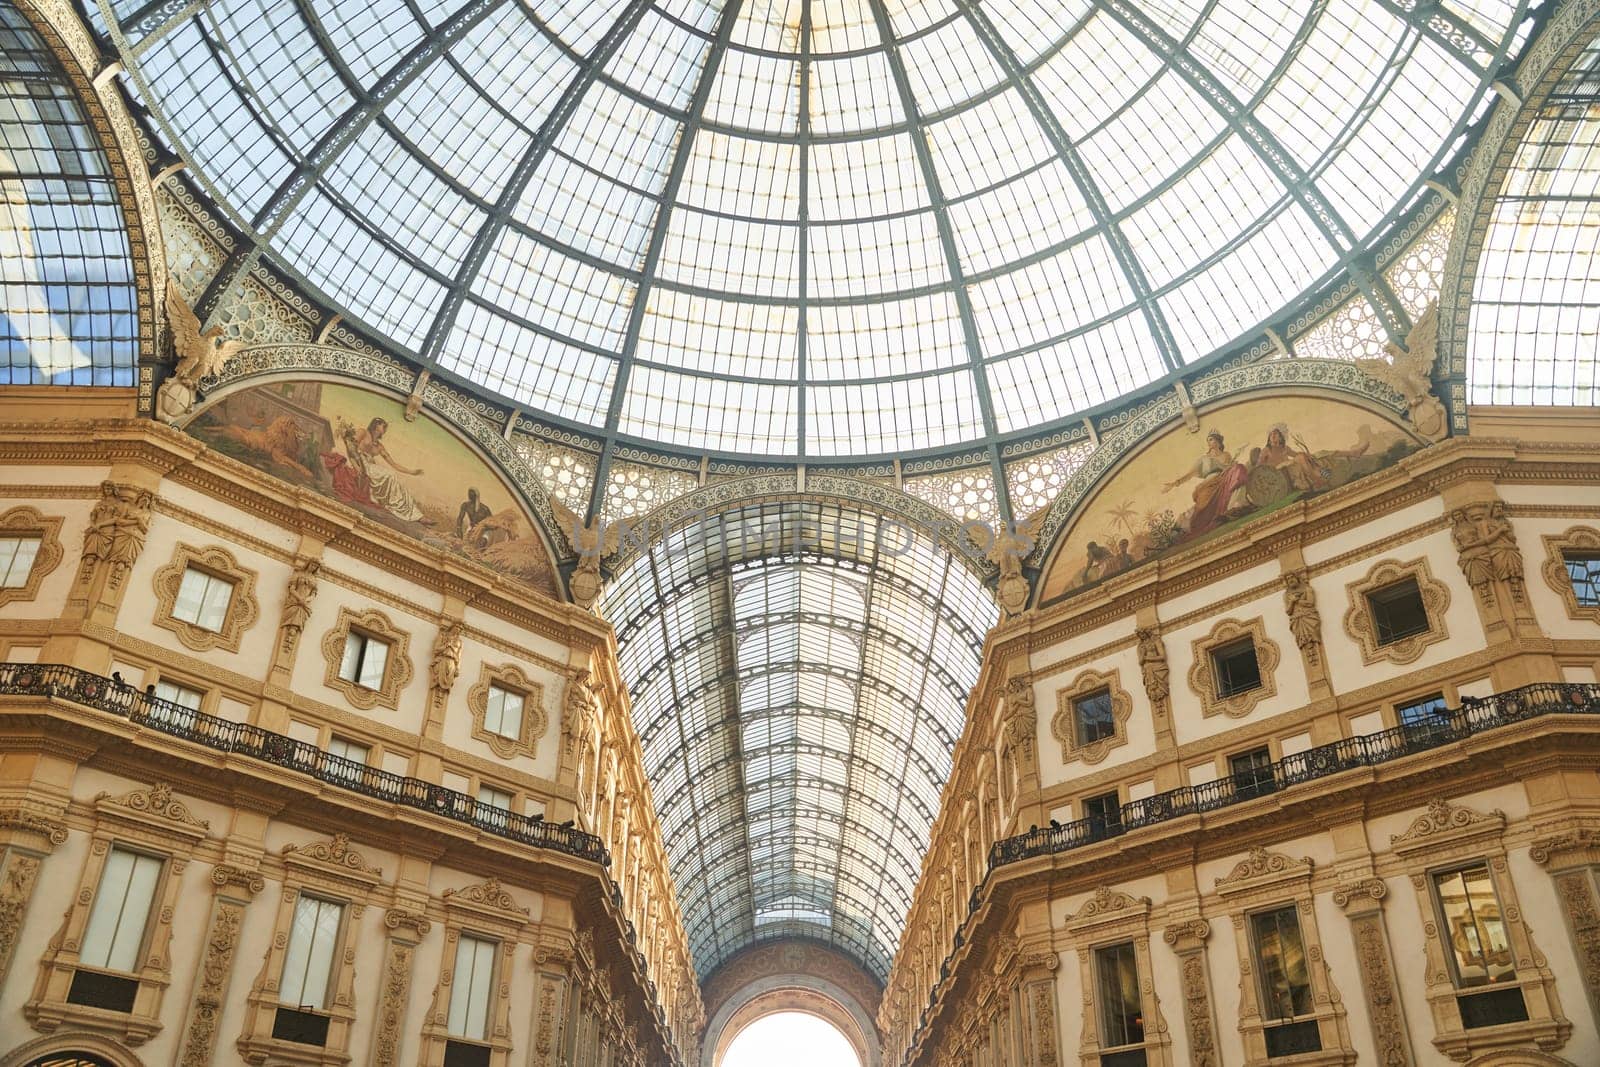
{"x": 1263, "y": 864}
{"x": 217, "y": 562}
{"x": 1203, "y": 680}
{"x": 1021, "y": 715}
{"x": 199, "y": 1044}
{"x": 1064, "y": 725}
{"x": 1444, "y": 820}
{"x": 32, "y": 822}
{"x": 580, "y": 709}
{"x": 25, "y": 522}
{"x": 1409, "y": 372}
{"x": 1487, "y": 548}
{"x": 297, "y": 598}
{"x": 334, "y": 852}
{"x": 397, "y": 666}
{"x": 1153, "y": 666}
{"x": 1305, "y": 622}
{"x": 1372, "y": 889}
{"x": 397, "y": 918}
{"x": 534, "y": 720}
{"x": 16, "y": 888}
{"x": 445, "y": 665}
{"x": 225, "y": 875}
{"x": 1358, "y": 621}
{"x": 392, "y": 1004}
{"x": 158, "y": 801}
{"x": 116, "y": 532}
{"x": 1108, "y": 902}
{"x": 1584, "y": 540}
{"x": 490, "y": 894}
{"x": 197, "y": 354}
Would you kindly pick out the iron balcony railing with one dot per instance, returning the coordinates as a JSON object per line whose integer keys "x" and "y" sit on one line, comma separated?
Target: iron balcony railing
{"x": 224, "y": 735}
{"x": 1475, "y": 715}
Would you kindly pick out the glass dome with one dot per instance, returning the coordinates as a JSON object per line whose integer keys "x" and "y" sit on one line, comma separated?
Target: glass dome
{"x": 816, "y": 228}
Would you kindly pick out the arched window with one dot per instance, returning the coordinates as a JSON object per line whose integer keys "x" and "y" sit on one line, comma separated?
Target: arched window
{"x": 68, "y": 314}
{"x": 70, "y": 1059}
{"x": 1535, "y": 319}
{"x": 790, "y": 1039}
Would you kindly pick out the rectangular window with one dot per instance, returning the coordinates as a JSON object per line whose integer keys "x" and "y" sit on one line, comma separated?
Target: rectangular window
{"x": 1121, "y": 1009}
{"x": 1092, "y": 718}
{"x": 1426, "y": 720}
{"x": 187, "y": 701}
{"x": 503, "y": 715}
{"x": 489, "y": 796}
{"x": 1398, "y": 612}
{"x": 1104, "y": 813}
{"x": 121, "y": 913}
{"x": 1583, "y": 568}
{"x": 308, "y": 961}
{"x": 364, "y": 659}
{"x": 1473, "y": 928}
{"x": 16, "y": 560}
{"x": 349, "y": 758}
{"x": 470, "y": 987}
{"x": 1280, "y": 953}
{"x": 1252, "y": 773}
{"x": 203, "y": 600}
{"x": 1236, "y": 668}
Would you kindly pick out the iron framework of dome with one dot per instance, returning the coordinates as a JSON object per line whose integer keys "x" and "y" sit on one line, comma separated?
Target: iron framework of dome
{"x": 822, "y": 228}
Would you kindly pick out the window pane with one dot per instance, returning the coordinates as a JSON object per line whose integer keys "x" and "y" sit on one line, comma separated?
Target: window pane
{"x": 1093, "y": 715}
{"x": 1474, "y": 927}
{"x": 1121, "y": 1011}
{"x": 115, "y": 933}
{"x": 214, "y": 604}
{"x": 494, "y": 710}
{"x": 16, "y": 560}
{"x": 1584, "y": 570}
{"x": 504, "y": 713}
{"x": 1281, "y": 963}
{"x": 469, "y": 990}
{"x": 181, "y": 695}
{"x": 308, "y": 960}
{"x": 1236, "y": 668}
{"x": 374, "y": 656}
{"x": 350, "y": 665}
{"x": 191, "y": 594}
{"x": 1398, "y": 612}
{"x": 494, "y": 798}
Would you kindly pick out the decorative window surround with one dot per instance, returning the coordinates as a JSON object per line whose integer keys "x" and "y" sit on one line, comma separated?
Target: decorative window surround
{"x": 1188, "y": 941}
{"x": 1064, "y": 726}
{"x": 1202, "y": 674}
{"x": 1572, "y": 857}
{"x": 397, "y": 667}
{"x": 28, "y": 522}
{"x": 151, "y": 821}
{"x": 1259, "y": 882}
{"x": 534, "y": 718}
{"x": 218, "y": 562}
{"x": 1447, "y": 836}
{"x": 1360, "y": 627}
{"x": 330, "y": 870}
{"x": 488, "y": 911}
{"x": 1111, "y": 917}
{"x": 1362, "y": 898}
{"x": 1578, "y": 538}
{"x": 27, "y": 836}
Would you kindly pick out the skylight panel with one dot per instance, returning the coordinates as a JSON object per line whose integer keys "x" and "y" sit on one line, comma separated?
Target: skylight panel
{"x": 896, "y": 337}
{"x": 990, "y": 142}
{"x": 856, "y": 259}
{"x": 537, "y": 283}
{"x": 290, "y": 77}
{"x": 370, "y": 35}
{"x": 864, "y": 178}
{"x": 718, "y": 336}
{"x": 1081, "y": 372}
{"x": 1031, "y": 27}
{"x": 1492, "y": 16}
{"x": 730, "y": 256}
{"x": 617, "y": 136}
{"x": 402, "y": 198}
{"x": 1158, "y": 134}
{"x": 755, "y": 92}
{"x": 949, "y": 66}
{"x": 460, "y": 130}
{"x": 1094, "y": 74}
{"x": 516, "y": 64}
{"x": 1041, "y": 209}
{"x": 1243, "y": 41}
{"x": 662, "y": 60}
{"x": 726, "y": 416}
{"x": 758, "y": 179}
{"x": 532, "y": 368}
{"x": 854, "y": 94}
{"x": 579, "y": 23}
{"x": 770, "y": 24}
{"x": 842, "y": 26}
{"x": 573, "y": 206}
{"x": 896, "y": 416}
{"x": 1044, "y": 300}
{"x": 907, "y": 17}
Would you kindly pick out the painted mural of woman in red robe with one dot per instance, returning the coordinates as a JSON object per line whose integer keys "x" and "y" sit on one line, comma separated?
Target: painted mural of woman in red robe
{"x": 1221, "y": 488}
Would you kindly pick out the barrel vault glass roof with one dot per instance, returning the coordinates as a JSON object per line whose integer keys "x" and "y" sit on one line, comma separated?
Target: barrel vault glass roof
{"x": 815, "y": 228}
{"x": 799, "y": 674}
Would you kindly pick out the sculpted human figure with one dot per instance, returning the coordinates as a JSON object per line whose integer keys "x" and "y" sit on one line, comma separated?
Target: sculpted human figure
{"x": 1487, "y": 548}
{"x": 446, "y": 665}
{"x": 1153, "y": 665}
{"x": 1304, "y": 620}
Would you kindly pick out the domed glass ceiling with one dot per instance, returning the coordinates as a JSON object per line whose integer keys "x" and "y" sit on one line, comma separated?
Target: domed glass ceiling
{"x": 815, "y": 227}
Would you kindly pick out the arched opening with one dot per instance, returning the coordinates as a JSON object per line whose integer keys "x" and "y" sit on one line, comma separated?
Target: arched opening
{"x": 790, "y": 1039}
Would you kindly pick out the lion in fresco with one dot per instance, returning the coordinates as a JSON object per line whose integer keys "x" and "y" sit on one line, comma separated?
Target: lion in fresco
{"x": 281, "y": 441}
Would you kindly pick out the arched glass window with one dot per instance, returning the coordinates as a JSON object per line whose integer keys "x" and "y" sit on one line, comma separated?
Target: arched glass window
{"x": 1536, "y": 304}
{"x": 790, "y": 1039}
{"x": 66, "y": 272}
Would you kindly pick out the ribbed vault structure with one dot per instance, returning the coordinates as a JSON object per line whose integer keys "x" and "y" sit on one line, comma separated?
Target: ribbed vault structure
{"x": 816, "y": 228}
{"x": 799, "y": 673}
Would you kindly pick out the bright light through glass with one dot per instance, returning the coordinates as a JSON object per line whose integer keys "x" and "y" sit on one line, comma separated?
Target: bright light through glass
{"x": 790, "y": 1039}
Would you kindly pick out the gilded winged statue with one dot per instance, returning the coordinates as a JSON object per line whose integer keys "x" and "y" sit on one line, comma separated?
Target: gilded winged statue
{"x": 198, "y": 353}
{"x": 1409, "y": 372}
{"x": 593, "y": 542}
